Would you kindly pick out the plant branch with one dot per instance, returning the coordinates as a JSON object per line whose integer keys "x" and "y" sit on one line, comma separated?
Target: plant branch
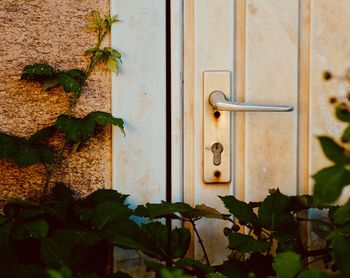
{"x": 200, "y": 242}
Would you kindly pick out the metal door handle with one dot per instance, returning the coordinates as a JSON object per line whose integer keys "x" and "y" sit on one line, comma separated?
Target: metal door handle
{"x": 218, "y": 100}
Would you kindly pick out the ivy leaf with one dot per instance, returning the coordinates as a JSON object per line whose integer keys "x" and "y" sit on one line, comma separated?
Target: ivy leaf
{"x": 38, "y": 72}
{"x": 41, "y": 135}
{"x": 78, "y": 130}
{"x": 240, "y": 210}
{"x": 50, "y": 83}
{"x": 113, "y": 58}
{"x": 8, "y": 145}
{"x": 54, "y": 253}
{"x": 26, "y": 157}
{"x": 96, "y": 17}
{"x": 333, "y": 151}
{"x": 76, "y": 73}
{"x": 246, "y": 244}
{"x": 287, "y": 265}
{"x": 69, "y": 83}
{"x": 341, "y": 215}
{"x": 34, "y": 229}
{"x": 340, "y": 244}
{"x": 273, "y": 212}
{"x": 342, "y": 114}
{"x": 329, "y": 183}
{"x": 104, "y": 118}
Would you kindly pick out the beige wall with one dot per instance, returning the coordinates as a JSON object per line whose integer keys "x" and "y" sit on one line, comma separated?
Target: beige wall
{"x": 53, "y": 32}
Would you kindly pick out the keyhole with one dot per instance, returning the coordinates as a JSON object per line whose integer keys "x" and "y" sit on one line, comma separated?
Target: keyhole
{"x": 217, "y": 149}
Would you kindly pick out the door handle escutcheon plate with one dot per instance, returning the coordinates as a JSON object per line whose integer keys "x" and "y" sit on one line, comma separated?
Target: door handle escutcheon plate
{"x": 216, "y": 129}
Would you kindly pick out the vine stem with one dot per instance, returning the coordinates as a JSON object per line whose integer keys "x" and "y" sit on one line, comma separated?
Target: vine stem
{"x": 72, "y": 102}
{"x": 200, "y": 242}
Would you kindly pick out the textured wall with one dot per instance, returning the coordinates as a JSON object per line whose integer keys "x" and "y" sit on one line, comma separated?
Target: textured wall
{"x": 55, "y": 32}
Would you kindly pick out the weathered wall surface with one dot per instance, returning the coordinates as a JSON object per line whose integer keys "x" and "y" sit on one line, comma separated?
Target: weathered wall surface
{"x": 54, "y": 32}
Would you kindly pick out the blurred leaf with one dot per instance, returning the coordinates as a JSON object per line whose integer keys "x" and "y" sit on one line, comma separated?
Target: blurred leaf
{"x": 233, "y": 268}
{"x": 340, "y": 244}
{"x": 50, "y": 83}
{"x": 198, "y": 267}
{"x": 207, "y": 212}
{"x": 109, "y": 211}
{"x": 102, "y": 195}
{"x": 180, "y": 241}
{"x": 76, "y": 237}
{"x": 316, "y": 273}
{"x": 342, "y": 114}
{"x": 346, "y": 135}
{"x": 69, "y": 83}
{"x": 273, "y": 212}
{"x": 333, "y": 151}
{"x": 63, "y": 272}
{"x": 239, "y": 209}
{"x": 38, "y": 72}
{"x": 341, "y": 215}
{"x": 287, "y": 265}
{"x": 178, "y": 273}
{"x": 32, "y": 229}
{"x": 246, "y": 244}
{"x": 329, "y": 183}
{"x": 164, "y": 209}
{"x": 41, "y": 135}
{"x": 54, "y": 253}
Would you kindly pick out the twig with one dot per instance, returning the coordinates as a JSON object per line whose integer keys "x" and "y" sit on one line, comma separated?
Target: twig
{"x": 200, "y": 242}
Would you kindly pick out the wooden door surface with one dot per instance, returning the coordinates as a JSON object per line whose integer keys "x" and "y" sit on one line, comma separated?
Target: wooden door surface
{"x": 275, "y": 52}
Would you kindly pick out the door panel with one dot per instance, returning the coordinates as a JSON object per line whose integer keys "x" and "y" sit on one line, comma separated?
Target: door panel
{"x": 271, "y": 77}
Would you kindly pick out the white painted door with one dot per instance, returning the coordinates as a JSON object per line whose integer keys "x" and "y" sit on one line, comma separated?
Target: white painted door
{"x": 275, "y": 51}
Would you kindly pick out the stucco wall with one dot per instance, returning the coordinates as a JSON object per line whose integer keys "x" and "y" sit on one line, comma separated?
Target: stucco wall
{"x": 54, "y": 32}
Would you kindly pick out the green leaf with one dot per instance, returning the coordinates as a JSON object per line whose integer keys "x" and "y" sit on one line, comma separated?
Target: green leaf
{"x": 215, "y": 275}
{"x": 199, "y": 267}
{"x": 38, "y": 72}
{"x": 5, "y": 229}
{"x": 340, "y": 244}
{"x": 246, "y": 244}
{"x": 109, "y": 211}
{"x": 46, "y": 154}
{"x": 69, "y": 83}
{"x": 346, "y": 135}
{"x": 96, "y": 17}
{"x": 54, "y": 253}
{"x": 178, "y": 273}
{"x": 287, "y": 265}
{"x": 333, "y": 151}
{"x": 329, "y": 183}
{"x": 341, "y": 215}
{"x": 233, "y": 268}
{"x": 41, "y": 135}
{"x": 273, "y": 212}
{"x": 75, "y": 237}
{"x": 103, "y": 195}
{"x": 8, "y": 146}
{"x": 64, "y": 272}
{"x": 239, "y": 209}
{"x": 316, "y": 273}
{"x": 112, "y": 65}
{"x": 180, "y": 241}
{"x": 342, "y": 114}
{"x": 29, "y": 271}
{"x": 26, "y": 157}
{"x": 50, "y": 83}
{"x": 76, "y": 73}
{"x": 104, "y": 118}
{"x": 33, "y": 229}
{"x": 207, "y": 212}
{"x": 164, "y": 209}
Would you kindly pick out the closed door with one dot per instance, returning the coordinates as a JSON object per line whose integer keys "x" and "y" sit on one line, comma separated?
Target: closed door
{"x": 269, "y": 52}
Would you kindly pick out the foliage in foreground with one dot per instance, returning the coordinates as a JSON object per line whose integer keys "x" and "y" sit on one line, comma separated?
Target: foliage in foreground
{"x": 71, "y": 237}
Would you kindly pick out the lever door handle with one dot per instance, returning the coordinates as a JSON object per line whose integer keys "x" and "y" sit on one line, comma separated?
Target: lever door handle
{"x": 218, "y": 100}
